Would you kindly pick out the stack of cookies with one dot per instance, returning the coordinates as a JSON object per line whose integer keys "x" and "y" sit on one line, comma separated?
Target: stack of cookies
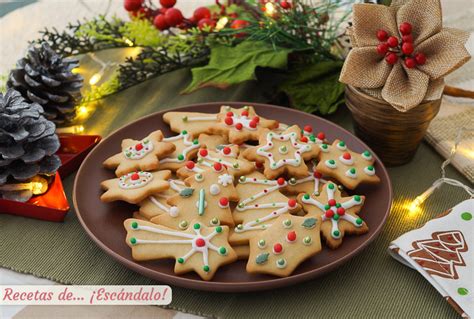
{"x": 234, "y": 185}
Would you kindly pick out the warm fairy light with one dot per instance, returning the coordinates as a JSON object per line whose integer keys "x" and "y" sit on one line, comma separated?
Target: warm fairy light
{"x": 128, "y": 42}
{"x": 95, "y": 78}
{"x": 82, "y": 110}
{"x": 76, "y": 129}
{"x": 37, "y": 186}
{"x": 76, "y": 70}
{"x": 270, "y": 9}
{"x": 221, "y": 23}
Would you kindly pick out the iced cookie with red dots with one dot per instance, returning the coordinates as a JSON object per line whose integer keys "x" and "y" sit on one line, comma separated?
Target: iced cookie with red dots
{"x": 141, "y": 155}
{"x": 339, "y": 215}
{"x": 186, "y": 149}
{"x": 311, "y": 184}
{"x": 310, "y": 136}
{"x": 242, "y": 124}
{"x": 206, "y": 199}
{"x": 194, "y": 123}
{"x": 260, "y": 204}
{"x": 288, "y": 242}
{"x": 283, "y": 153}
{"x": 211, "y": 142}
{"x": 226, "y": 156}
{"x": 134, "y": 187}
{"x": 156, "y": 204}
{"x": 346, "y": 166}
{"x": 199, "y": 248}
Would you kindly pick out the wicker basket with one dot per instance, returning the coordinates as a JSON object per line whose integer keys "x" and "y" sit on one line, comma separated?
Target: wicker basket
{"x": 393, "y": 135}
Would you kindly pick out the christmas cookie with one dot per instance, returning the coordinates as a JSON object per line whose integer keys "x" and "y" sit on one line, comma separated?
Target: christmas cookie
{"x": 193, "y": 122}
{"x": 156, "y": 204}
{"x": 141, "y": 155}
{"x": 186, "y": 149}
{"x": 283, "y": 153}
{"x": 200, "y": 248}
{"x": 260, "y": 204}
{"x": 134, "y": 187}
{"x": 242, "y": 251}
{"x": 212, "y": 141}
{"x": 348, "y": 167}
{"x": 311, "y": 184}
{"x": 206, "y": 199}
{"x": 137, "y": 215}
{"x": 241, "y": 125}
{"x": 339, "y": 215}
{"x": 282, "y": 247}
{"x": 311, "y": 137}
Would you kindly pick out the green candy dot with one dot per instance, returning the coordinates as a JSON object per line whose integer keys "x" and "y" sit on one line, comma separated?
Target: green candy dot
{"x": 206, "y": 268}
{"x": 338, "y": 205}
{"x": 342, "y": 143}
{"x": 331, "y": 186}
{"x": 359, "y": 221}
{"x": 463, "y": 291}
{"x": 184, "y": 132}
{"x": 336, "y": 233}
{"x": 197, "y": 226}
{"x": 185, "y": 118}
{"x": 306, "y": 196}
{"x": 195, "y": 142}
{"x": 181, "y": 260}
{"x": 325, "y": 146}
{"x": 312, "y": 138}
{"x": 281, "y": 262}
{"x": 222, "y": 251}
{"x": 466, "y": 216}
{"x": 240, "y": 226}
{"x": 353, "y": 170}
{"x": 335, "y": 217}
{"x": 134, "y": 225}
{"x": 180, "y": 157}
{"x": 366, "y": 153}
{"x": 133, "y": 240}
{"x": 332, "y": 162}
{"x": 370, "y": 168}
{"x": 327, "y": 206}
{"x": 357, "y": 198}
{"x": 218, "y": 229}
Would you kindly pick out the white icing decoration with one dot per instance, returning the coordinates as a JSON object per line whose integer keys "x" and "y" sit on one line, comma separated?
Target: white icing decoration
{"x": 349, "y": 174}
{"x": 369, "y": 172}
{"x": 299, "y": 149}
{"x": 126, "y": 182}
{"x": 225, "y": 179}
{"x": 214, "y": 189}
{"x": 281, "y": 266}
{"x": 283, "y": 150}
{"x": 346, "y": 161}
{"x": 328, "y": 164}
{"x": 172, "y": 210}
{"x": 202, "y": 118}
{"x": 204, "y": 161}
{"x": 342, "y": 148}
{"x": 198, "y": 177}
{"x": 368, "y": 158}
{"x": 324, "y": 150}
{"x": 313, "y": 179}
{"x": 186, "y": 141}
{"x": 133, "y": 154}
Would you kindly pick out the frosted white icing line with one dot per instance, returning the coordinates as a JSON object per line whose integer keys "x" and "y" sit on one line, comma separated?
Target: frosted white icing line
{"x": 139, "y": 150}
{"x": 186, "y": 141}
{"x": 126, "y": 181}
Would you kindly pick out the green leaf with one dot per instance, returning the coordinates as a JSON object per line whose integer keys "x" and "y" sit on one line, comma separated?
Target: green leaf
{"x": 186, "y": 192}
{"x": 309, "y": 223}
{"x": 232, "y": 65}
{"x": 315, "y": 87}
{"x": 262, "y": 258}
{"x": 143, "y": 33}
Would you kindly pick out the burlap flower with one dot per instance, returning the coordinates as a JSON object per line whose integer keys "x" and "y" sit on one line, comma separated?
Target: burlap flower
{"x": 404, "y": 87}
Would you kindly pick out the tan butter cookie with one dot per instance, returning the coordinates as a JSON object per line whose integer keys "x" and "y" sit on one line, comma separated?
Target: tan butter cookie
{"x": 206, "y": 199}
{"x": 346, "y": 166}
{"x": 283, "y": 153}
{"x": 200, "y": 248}
{"x": 339, "y": 215}
{"x": 193, "y": 122}
{"x": 288, "y": 242}
{"x": 141, "y": 155}
{"x": 135, "y": 187}
{"x": 137, "y": 215}
{"x": 242, "y": 251}
{"x": 260, "y": 204}
{"x": 242, "y": 124}
{"x": 211, "y": 142}
{"x": 186, "y": 149}
{"x": 310, "y": 184}
{"x": 156, "y": 204}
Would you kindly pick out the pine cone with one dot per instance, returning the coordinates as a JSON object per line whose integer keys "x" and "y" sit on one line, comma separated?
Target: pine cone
{"x": 27, "y": 140}
{"x": 45, "y": 77}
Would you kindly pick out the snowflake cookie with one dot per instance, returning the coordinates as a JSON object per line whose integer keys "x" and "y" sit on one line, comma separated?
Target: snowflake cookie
{"x": 141, "y": 155}
{"x": 284, "y": 245}
{"x": 200, "y": 248}
{"x": 339, "y": 215}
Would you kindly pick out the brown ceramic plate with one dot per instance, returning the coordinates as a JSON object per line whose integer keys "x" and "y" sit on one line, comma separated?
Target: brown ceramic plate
{"x": 103, "y": 222}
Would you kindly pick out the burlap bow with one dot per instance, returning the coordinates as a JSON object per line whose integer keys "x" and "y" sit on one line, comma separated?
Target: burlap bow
{"x": 403, "y": 87}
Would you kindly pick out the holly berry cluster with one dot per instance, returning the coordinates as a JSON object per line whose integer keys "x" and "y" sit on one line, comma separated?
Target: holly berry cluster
{"x": 393, "y": 48}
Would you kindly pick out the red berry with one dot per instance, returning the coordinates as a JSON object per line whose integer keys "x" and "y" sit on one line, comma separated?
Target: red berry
{"x": 202, "y": 13}
{"x": 391, "y": 58}
{"x": 200, "y": 242}
{"x": 239, "y": 24}
{"x": 256, "y": 119}
{"x": 291, "y": 236}
{"x": 410, "y": 63}
{"x": 341, "y": 211}
{"x": 135, "y": 176}
{"x": 132, "y": 5}
{"x": 223, "y": 201}
{"x": 229, "y": 114}
{"x": 292, "y": 202}
{"x": 217, "y": 167}
{"x": 382, "y": 48}
{"x": 304, "y": 139}
{"x": 317, "y": 175}
{"x": 139, "y": 147}
{"x": 382, "y": 35}
{"x": 229, "y": 121}
{"x": 277, "y": 248}
{"x": 239, "y": 126}
{"x": 420, "y": 58}
{"x": 281, "y": 181}
{"x": 189, "y": 164}
{"x": 407, "y": 38}
{"x": 308, "y": 128}
{"x": 203, "y": 23}
{"x": 162, "y": 10}
{"x": 407, "y": 48}
{"x": 173, "y": 17}
{"x": 332, "y": 202}
{"x": 203, "y": 152}
{"x": 245, "y": 113}
{"x": 346, "y": 155}
{"x": 321, "y": 136}
{"x": 285, "y": 5}
{"x": 160, "y": 22}
{"x": 253, "y": 124}
{"x": 226, "y": 150}
{"x": 392, "y": 42}
{"x": 405, "y": 28}
{"x": 168, "y": 3}
{"x": 329, "y": 213}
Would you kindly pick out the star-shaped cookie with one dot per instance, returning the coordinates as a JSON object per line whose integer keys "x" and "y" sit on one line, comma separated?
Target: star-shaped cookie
{"x": 156, "y": 204}
{"x": 339, "y": 215}
{"x": 310, "y": 184}
{"x": 141, "y": 155}
{"x": 283, "y": 153}
{"x": 193, "y": 122}
{"x": 200, "y": 248}
{"x": 134, "y": 187}
{"x": 186, "y": 149}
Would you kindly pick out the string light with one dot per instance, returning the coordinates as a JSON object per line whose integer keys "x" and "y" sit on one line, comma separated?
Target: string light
{"x": 420, "y": 199}
{"x": 270, "y": 9}
{"x": 221, "y": 23}
{"x": 37, "y": 186}
{"x": 128, "y": 42}
{"x": 76, "y": 129}
{"x": 96, "y": 77}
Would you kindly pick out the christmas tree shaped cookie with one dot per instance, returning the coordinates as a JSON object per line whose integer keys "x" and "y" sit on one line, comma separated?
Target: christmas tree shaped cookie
{"x": 282, "y": 247}
{"x": 141, "y": 155}
{"x": 193, "y": 122}
{"x": 200, "y": 248}
{"x": 226, "y": 156}
{"x": 310, "y": 184}
{"x": 348, "y": 167}
{"x": 156, "y": 204}
{"x": 283, "y": 153}
{"x": 241, "y": 125}
{"x": 261, "y": 203}
{"x": 339, "y": 215}
{"x": 134, "y": 187}
{"x": 206, "y": 200}
{"x": 186, "y": 149}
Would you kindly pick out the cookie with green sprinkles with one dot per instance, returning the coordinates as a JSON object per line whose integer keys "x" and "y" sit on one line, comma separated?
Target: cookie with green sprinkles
{"x": 186, "y": 149}
{"x": 199, "y": 248}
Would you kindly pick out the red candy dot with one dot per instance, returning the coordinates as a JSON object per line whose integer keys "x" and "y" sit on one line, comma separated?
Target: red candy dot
{"x": 256, "y": 119}
{"x": 245, "y": 113}
{"x": 332, "y": 202}
{"x": 382, "y": 35}
{"x": 277, "y": 248}
{"x": 321, "y": 136}
{"x": 203, "y": 152}
{"x": 291, "y": 236}
{"x": 223, "y": 201}
{"x": 317, "y": 174}
{"x": 239, "y": 126}
{"x": 226, "y": 150}
{"x": 229, "y": 121}
{"x": 292, "y": 202}
{"x": 229, "y": 114}
{"x": 329, "y": 213}
{"x": 346, "y": 156}
{"x": 139, "y": 147}
{"x": 135, "y": 176}
{"x": 253, "y": 124}
{"x": 217, "y": 167}
{"x": 341, "y": 211}
{"x": 304, "y": 139}
{"x": 392, "y": 42}
{"x": 281, "y": 181}
{"x": 190, "y": 165}
{"x": 200, "y": 242}
{"x": 308, "y": 128}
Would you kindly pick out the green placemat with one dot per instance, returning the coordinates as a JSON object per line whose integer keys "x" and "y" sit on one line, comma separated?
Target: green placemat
{"x": 372, "y": 284}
